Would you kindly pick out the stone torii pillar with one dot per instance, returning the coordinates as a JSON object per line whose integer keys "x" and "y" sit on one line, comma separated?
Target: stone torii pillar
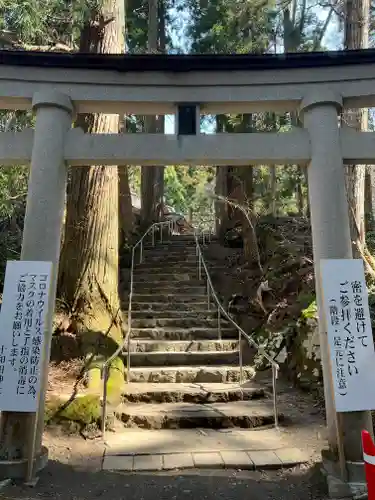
{"x": 41, "y": 242}
{"x": 331, "y": 240}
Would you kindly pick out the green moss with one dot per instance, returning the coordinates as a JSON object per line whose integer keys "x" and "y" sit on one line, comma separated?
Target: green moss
{"x": 84, "y": 410}
{"x": 311, "y": 311}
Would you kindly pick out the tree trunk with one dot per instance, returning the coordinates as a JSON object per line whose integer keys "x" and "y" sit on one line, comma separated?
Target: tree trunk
{"x": 149, "y": 173}
{"x": 299, "y": 192}
{"x": 273, "y": 169}
{"x": 356, "y": 37}
{"x": 292, "y": 37}
{"x": 126, "y": 219}
{"x": 274, "y": 190}
{"x": 370, "y": 198}
{"x": 159, "y": 172}
{"x": 221, "y": 210}
{"x": 250, "y": 242}
{"x": 88, "y": 277}
{"x": 160, "y": 120}
{"x": 221, "y": 188}
{"x": 153, "y": 24}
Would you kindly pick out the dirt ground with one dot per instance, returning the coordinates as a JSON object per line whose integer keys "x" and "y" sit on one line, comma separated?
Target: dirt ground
{"x": 64, "y": 482}
{"x": 74, "y": 471}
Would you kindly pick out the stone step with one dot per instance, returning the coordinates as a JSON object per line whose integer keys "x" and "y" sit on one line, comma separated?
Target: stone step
{"x": 179, "y": 240}
{"x": 156, "y": 296}
{"x": 190, "y": 393}
{"x": 188, "y": 374}
{"x": 162, "y": 249}
{"x": 183, "y": 333}
{"x": 193, "y": 358}
{"x": 182, "y": 346}
{"x": 179, "y": 307}
{"x": 187, "y": 245}
{"x": 166, "y": 267}
{"x": 149, "y": 268}
{"x": 244, "y": 414}
{"x": 148, "y": 313}
{"x": 188, "y": 278}
{"x": 167, "y": 257}
{"x": 182, "y": 322}
{"x": 166, "y": 288}
{"x": 170, "y": 259}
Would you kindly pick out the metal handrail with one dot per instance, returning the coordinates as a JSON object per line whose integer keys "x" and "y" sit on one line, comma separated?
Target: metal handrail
{"x": 107, "y": 364}
{"x": 210, "y": 289}
{"x": 241, "y": 332}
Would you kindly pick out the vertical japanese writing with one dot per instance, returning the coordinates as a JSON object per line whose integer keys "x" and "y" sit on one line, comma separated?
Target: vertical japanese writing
{"x": 29, "y": 323}
{"x": 349, "y": 339}
{"x": 15, "y": 353}
{"x": 2, "y": 366}
{"x": 347, "y": 316}
{"x": 349, "y": 334}
{"x": 338, "y": 348}
{"x": 25, "y": 304}
{"x": 359, "y": 313}
{"x": 28, "y": 331}
{"x": 37, "y": 339}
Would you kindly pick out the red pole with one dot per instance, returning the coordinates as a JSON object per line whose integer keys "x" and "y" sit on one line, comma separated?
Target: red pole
{"x": 369, "y": 459}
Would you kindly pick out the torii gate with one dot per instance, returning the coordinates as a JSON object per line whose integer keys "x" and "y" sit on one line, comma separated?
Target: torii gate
{"x": 318, "y": 85}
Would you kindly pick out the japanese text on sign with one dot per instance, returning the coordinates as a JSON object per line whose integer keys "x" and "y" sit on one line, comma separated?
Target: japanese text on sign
{"x": 345, "y": 303}
{"x": 22, "y": 329}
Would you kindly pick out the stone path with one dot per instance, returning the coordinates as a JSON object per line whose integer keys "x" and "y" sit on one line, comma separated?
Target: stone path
{"x": 201, "y": 448}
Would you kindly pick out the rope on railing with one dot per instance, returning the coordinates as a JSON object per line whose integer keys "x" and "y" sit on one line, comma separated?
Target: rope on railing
{"x": 241, "y": 332}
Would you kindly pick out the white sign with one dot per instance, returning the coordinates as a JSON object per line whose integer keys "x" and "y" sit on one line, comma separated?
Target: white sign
{"x": 345, "y": 302}
{"x": 22, "y": 331}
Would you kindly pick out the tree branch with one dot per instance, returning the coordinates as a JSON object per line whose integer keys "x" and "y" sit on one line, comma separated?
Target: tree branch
{"x": 322, "y": 32}
{"x": 246, "y": 213}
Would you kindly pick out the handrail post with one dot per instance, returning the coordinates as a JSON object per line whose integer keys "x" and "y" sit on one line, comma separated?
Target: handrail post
{"x": 104, "y": 404}
{"x": 153, "y": 235}
{"x": 199, "y": 266}
{"x": 208, "y": 294}
{"x": 161, "y": 233}
{"x": 240, "y": 356}
{"x": 274, "y": 379}
{"x": 141, "y": 252}
{"x": 128, "y": 359}
{"x": 219, "y": 322}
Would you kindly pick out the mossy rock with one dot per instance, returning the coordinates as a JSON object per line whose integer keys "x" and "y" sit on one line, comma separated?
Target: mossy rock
{"x": 84, "y": 410}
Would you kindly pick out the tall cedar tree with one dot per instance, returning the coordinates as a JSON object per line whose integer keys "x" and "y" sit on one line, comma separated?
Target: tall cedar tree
{"x": 88, "y": 278}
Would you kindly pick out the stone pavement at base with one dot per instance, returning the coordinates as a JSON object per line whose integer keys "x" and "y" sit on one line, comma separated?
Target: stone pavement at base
{"x": 141, "y": 450}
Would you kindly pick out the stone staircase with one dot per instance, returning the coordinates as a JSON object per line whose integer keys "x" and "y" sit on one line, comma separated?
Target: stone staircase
{"x": 183, "y": 374}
